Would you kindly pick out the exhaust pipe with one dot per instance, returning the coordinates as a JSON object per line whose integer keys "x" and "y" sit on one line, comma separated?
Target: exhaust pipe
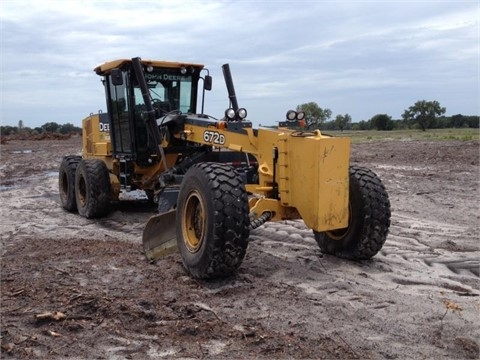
{"x": 231, "y": 90}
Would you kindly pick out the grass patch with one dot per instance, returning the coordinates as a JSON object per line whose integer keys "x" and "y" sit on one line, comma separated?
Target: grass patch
{"x": 360, "y": 136}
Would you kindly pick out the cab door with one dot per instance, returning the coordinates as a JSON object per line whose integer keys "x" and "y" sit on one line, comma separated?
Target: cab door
{"x": 118, "y": 107}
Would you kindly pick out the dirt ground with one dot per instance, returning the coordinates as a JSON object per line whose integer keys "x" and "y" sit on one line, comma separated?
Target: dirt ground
{"x": 418, "y": 298}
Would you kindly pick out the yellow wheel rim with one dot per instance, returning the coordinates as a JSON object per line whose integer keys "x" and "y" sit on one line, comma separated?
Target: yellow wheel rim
{"x": 193, "y": 222}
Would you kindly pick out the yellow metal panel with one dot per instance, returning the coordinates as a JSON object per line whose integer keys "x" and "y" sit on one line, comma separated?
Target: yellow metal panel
{"x": 87, "y": 136}
{"x": 102, "y": 149}
{"x": 317, "y": 180}
{"x": 235, "y": 147}
{"x": 95, "y": 142}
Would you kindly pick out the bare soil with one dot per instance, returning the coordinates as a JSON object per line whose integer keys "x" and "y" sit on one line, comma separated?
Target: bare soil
{"x": 78, "y": 288}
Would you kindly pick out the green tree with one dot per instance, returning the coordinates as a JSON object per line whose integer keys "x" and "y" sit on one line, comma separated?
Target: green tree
{"x": 423, "y": 113}
{"x": 341, "y": 121}
{"x": 473, "y": 121}
{"x": 363, "y": 125}
{"x": 68, "y": 128}
{"x": 382, "y": 122}
{"x": 50, "y": 127}
{"x": 8, "y": 130}
{"x": 315, "y": 116}
{"x": 457, "y": 121}
{"x": 465, "y": 121}
{"x": 329, "y": 125}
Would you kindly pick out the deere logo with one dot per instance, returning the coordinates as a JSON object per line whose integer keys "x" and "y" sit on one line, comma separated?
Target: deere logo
{"x": 104, "y": 127}
{"x": 160, "y": 77}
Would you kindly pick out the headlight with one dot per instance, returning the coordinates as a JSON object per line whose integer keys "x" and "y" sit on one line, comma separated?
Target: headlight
{"x": 291, "y": 114}
{"x": 295, "y": 115}
{"x": 241, "y": 113}
{"x": 230, "y": 114}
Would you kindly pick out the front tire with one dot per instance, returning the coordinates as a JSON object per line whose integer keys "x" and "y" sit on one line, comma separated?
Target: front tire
{"x": 92, "y": 188}
{"x": 66, "y": 181}
{"x": 369, "y": 219}
{"x": 212, "y": 220}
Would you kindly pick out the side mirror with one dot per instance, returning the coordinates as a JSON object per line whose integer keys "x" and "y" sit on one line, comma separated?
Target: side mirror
{"x": 207, "y": 83}
{"x": 117, "y": 77}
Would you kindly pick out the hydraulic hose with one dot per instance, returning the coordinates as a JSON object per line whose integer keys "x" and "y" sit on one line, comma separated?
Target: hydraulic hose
{"x": 262, "y": 219}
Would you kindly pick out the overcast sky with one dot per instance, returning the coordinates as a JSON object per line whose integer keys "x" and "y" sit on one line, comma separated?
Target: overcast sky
{"x": 357, "y": 57}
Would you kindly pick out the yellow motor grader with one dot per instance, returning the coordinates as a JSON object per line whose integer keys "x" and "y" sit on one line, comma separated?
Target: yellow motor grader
{"x": 214, "y": 180}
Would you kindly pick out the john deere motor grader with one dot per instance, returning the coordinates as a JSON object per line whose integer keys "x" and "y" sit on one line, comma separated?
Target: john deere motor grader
{"x": 214, "y": 180}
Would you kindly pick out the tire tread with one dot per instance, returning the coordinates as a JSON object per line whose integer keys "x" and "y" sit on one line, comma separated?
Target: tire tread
{"x": 375, "y": 224}
{"x": 67, "y": 171}
{"x": 98, "y": 188}
{"x": 231, "y": 222}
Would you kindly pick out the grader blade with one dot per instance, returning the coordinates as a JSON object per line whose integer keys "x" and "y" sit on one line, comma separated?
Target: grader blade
{"x": 159, "y": 236}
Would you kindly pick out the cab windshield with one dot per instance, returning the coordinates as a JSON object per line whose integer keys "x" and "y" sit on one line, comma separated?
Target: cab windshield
{"x": 169, "y": 90}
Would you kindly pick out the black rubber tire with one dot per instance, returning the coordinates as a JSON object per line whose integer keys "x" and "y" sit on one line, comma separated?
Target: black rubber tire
{"x": 66, "y": 182}
{"x": 92, "y": 188}
{"x": 369, "y": 219}
{"x": 212, "y": 220}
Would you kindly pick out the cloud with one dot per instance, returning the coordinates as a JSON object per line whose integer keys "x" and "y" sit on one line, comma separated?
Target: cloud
{"x": 360, "y": 58}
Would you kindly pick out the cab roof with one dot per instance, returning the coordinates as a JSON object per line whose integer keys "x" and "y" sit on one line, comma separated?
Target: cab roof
{"x": 108, "y": 66}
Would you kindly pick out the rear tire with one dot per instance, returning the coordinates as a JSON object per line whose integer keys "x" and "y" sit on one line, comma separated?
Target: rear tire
{"x": 369, "y": 219}
{"x": 92, "y": 188}
{"x": 212, "y": 220}
{"x": 66, "y": 181}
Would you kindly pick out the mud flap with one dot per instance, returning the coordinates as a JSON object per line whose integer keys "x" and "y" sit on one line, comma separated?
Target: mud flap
{"x": 159, "y": 235}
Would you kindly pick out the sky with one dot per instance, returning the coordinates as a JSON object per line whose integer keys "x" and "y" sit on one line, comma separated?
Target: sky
{"x": 360, "y": 58}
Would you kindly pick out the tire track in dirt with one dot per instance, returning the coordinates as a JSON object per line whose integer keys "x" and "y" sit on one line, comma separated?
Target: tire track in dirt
{"x": 405, "y": 252}
{"x": 33, "y": 209}
{"x": 454, "y": 267}
{"x": 415, "y": 299}
{"x": 373, "y": 293}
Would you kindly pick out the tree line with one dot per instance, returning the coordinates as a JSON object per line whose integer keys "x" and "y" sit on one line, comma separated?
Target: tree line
{"x": 49, "y": 127}
{"x": 422, "y": 115}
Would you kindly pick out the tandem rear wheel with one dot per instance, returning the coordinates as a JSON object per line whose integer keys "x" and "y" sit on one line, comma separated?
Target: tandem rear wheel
{"x": 66, "y": 181}
{"x": 92, "y": 188}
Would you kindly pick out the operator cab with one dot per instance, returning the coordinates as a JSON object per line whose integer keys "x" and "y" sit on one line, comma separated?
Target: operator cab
{"x": 172, "y": 87}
